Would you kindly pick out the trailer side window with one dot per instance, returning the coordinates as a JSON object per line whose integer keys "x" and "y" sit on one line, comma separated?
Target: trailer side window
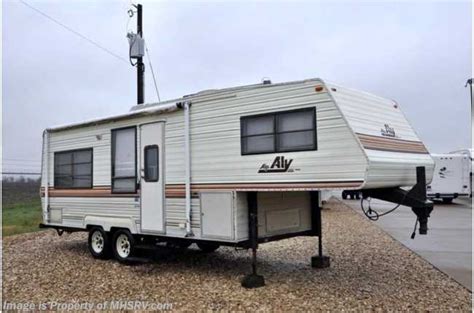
{"x": 296, "y": 131}
{"x": 286, "y": 131}
{"x": 73, "y": 169}
{"x": 258, "y": 134}
{"x": 124, "y": 160}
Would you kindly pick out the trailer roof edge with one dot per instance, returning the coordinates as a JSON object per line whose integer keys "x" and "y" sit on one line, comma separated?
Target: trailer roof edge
{"x": 168, "y": 107}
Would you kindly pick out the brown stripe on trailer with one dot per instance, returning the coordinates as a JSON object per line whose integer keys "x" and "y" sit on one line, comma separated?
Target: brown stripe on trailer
{"x": 96, "y": 192}
{"x": 178, "y": 190}
{"x": 391, "y": 144}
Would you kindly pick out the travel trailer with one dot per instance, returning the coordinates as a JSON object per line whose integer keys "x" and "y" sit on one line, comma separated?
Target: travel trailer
{"x": 468, "y": 153}
{"x": 451, "y": 177}
{"x": 237, "y": 167}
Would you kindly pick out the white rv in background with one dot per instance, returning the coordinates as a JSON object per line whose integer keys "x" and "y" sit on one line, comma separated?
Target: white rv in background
{"x": 236, "y": 166}
{"x": 468, "y": 153}
{"x": 451, "y": 177}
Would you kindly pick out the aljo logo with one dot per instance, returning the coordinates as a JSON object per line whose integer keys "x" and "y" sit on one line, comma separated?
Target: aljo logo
{"x": 443, "y": 171}
{"x": 279, "y": 165}
{"x": 388, "y": 131}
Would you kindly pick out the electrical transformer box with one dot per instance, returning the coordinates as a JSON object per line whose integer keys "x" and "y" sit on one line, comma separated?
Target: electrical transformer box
{"x": 137, "y": 45}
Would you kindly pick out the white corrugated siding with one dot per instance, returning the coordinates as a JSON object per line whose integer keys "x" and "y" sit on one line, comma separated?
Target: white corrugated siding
{"x": 367, "y": 114}
{"x": 176, "y": 213}
{"x": 215, "y": 140}
{"x": 74, "y": 210}
{"x": 215, "y": 149}
{"x": 398, "y": 169}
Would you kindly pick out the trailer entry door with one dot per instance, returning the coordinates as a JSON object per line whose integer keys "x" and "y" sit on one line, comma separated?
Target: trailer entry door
{"x": 151, "y": 181}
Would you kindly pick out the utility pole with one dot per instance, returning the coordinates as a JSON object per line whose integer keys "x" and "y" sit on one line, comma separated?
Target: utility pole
{"x": 140, "y": 65}
{"x": 469, "y": 82}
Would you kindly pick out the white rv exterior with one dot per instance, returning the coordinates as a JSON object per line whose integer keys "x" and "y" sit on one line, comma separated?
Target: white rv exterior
{"x": 451, "y": 178}
{"x": 468, "y": 153}
{"x": 352, "y": 140}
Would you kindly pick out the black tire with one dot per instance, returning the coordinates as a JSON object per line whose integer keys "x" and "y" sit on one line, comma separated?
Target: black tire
{"x": 123, "y": 246}
{"x": 207, "y": 247}
{"x": 447, "y": 200}
{"x": 352, "y": 196}
{"x": 344, "y": 195}
{"x": 99, "y": 243}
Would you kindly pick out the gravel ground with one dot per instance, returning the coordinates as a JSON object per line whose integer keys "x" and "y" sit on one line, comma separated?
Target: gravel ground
{"x": 369, "y": 271}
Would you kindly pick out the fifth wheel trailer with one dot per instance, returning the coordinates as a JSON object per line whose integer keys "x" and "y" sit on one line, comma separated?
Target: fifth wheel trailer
{"x": 451, "y": 178}
{"x": 236, "y": 166}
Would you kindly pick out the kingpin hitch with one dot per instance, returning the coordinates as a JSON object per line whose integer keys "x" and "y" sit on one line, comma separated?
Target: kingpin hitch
{"x": 414, "y": 198}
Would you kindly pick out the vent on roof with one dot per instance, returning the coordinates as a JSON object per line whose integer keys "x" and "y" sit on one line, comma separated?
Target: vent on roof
{"x": 266, "y": 81}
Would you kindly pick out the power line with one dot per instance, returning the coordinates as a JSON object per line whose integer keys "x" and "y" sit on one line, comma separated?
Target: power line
{"x": 152, "y": 73}
{"x": 21, "y": 165}
{"x": 20, "y": 173}
{"x": 74, "y": 31}
{"x": 21, "y": 160}
{"x": 16, "y": 163}
{"x": 20, "y": 168}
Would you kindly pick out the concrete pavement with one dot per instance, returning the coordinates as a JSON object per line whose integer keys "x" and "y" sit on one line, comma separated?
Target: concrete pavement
{"x": 448, "y": 245}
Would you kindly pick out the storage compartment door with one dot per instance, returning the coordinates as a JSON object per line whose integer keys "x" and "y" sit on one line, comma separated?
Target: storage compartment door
{"x": 217, "y": 215}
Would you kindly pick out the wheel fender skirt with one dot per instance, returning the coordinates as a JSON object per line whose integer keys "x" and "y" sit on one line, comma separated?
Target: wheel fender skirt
{"x": 108, "y": 222}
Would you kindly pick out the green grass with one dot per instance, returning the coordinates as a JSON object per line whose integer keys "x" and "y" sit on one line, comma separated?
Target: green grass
{"x": 21, "y": 206}
{"x": 21, "y": 217}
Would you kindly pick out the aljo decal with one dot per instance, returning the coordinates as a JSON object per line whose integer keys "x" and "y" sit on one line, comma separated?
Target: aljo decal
{"x": 279, "y": 165}
{"x": 388, "y": 131}
{"x": 443, "y": 171}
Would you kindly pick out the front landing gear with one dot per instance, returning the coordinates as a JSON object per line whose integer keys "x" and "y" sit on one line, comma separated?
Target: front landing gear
{"x": 320, "y": 260}
{"x": 253, "y": 280}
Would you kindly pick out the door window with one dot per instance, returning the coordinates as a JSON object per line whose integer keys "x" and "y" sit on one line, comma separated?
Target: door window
{"x": 151, "y": 163}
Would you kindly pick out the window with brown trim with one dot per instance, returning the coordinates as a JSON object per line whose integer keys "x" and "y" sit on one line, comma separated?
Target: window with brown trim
{"x": 73, "y": 169}
{"x": 286, "y": 131}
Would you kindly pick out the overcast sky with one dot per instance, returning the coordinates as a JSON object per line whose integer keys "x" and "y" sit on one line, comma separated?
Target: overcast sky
{"x": 416, "y": 53}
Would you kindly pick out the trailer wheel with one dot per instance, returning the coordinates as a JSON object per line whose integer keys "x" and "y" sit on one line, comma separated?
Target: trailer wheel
{"x": 99, "y": 243}
{"x": 344, "y": 195}
{"x": 207, "y": 247}
{"x": 123, "y": 246}
{"x": 357, "y": 195}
